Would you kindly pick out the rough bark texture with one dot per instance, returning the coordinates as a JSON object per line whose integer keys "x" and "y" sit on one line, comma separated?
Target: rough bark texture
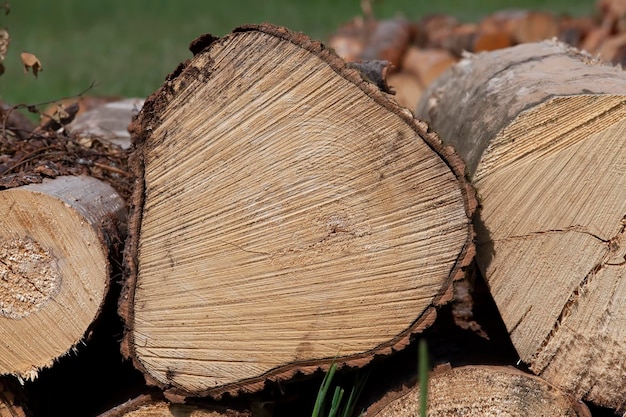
{"x": 541, "y": 128}
{"x": 286, "y": 214}
{"x": 477, "y": 391}
{"x": 54, "y": 245}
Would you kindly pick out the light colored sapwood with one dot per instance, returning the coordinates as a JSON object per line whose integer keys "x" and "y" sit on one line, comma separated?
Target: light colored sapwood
{"x": 288, "y": 214}
{"x": 54, "y": 267}
{"x": 477, "y": 391}
{"x": 542, "y": 128}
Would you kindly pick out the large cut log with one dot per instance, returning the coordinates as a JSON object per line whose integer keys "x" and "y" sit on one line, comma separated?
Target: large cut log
{"x": 541, "y": 127}
{"x": 477, "y": 391}
{"x": 286, "y": 214}
{"x": 55, "y": 240}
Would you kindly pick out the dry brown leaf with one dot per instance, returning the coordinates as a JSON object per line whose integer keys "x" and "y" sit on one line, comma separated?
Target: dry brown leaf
{"x": 30, "y": 61}
{"x": 4, "y": 43}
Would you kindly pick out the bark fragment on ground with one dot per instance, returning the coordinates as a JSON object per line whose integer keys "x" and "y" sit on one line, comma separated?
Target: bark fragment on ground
{"x": 286, "y": 214}
{"x": 541, "y": 128}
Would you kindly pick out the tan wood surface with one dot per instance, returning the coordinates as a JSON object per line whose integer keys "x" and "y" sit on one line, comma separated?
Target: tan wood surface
{"x": 287, "y": 214}
{"x": 477, "y": 391}
{"x": 542, "y": 129}
{"x": 54, "y": 267}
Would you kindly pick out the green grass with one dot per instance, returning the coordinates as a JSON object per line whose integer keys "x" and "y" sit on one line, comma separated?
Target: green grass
{"x": 128, "y": 46}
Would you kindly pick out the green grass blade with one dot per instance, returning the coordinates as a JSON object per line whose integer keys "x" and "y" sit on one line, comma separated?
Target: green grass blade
{"x": 336, "y": 403}
{"x": 355, "y": 393}
{"x": 422, "y": 365}
{"x": 321, "y": 394}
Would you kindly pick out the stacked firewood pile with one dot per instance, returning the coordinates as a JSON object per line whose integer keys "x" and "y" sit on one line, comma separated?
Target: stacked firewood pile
{"x": 274, "y": 211}
{"x": 420, "y": 51}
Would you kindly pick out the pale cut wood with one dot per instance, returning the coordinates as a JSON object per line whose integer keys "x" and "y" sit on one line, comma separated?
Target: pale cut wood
{"x": 54, "y": 267}
{"x": 477, "y": 391}
{"x": 427, "y": 64}
{"x": 287, "y": 214}
{"x": 155, "y": 406}
{"x": 107, "y": 122}
{"x": 407, "y": 89}
{"x": 542, "y": 130}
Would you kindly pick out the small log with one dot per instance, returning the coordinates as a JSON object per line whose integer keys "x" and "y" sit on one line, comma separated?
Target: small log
{"x": 407, "y": 88}
{"x": 154, "y": 405}
{"x": 574, "y": 30}
{"x": 388, "y": 41}
{"x": 490, "y": 41}
{"x": 535, "y": 26}
{"x": 433, "y": 29}
{"x": 107, "y": 122}
{"x": 84, "y": 103}
{"x": 613, "y": 49}
{"x": 287, "y": 214}
{"x": 460, "y": 39}
{"x": 477, "y": 391}
{"x": 427, "y": 64}
{"x": 349, "y": 40}
{"x": 541, "y": 128}
{"x": 55, "y": 239}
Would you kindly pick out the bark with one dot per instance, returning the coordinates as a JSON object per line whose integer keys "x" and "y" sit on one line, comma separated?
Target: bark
{"x": 286, "y": 214}
{"x": 153, "y": 405}
{"x": 477, "y": 391}
{"x": 55, "y": 240}
{"x": 540, "y": 127}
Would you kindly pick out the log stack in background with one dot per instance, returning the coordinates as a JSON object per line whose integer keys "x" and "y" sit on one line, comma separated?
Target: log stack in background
{"x": 421, "y": 50}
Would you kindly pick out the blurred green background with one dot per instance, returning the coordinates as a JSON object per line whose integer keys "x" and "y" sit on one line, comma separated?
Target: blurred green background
{"x": 127, "y": 47}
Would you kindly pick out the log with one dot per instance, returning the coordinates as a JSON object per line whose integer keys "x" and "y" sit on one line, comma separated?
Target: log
{"x": 427, "y": 64}
{"x": 154, "y": 405}
{"x": 107, "y": 122}
{"x": 12, "y": 398}
{"x": 540, "y": 127}
{"x": 55, "y": 241}
{"x": 406, "y": 87}
{"x": 287, "y": 214}
{"x": 477, "y": 391}
{"x": 389, "y": 41}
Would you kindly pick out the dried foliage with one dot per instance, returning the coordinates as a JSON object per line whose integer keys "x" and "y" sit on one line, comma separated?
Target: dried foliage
{"x": 48, "y": 154}
{"x": 30, "y": 61}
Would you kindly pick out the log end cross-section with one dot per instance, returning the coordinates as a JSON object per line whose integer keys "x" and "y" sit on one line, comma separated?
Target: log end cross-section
{"x": 542, "y": 129}
{"x": 54, "y": 267}
{"x": 286, "y": 214}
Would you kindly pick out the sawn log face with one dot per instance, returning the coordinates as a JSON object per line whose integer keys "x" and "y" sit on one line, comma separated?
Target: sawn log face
{"x": 542, "y": 128}
{"x": 287, "y": 214}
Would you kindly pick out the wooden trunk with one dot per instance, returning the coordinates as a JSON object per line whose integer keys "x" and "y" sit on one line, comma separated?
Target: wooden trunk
{"x": 477, "y": 391}
{"x": 287, "y": 214}
{"x": 54, "y": 267}
{"x": 154, "y": 405}
{"x": 541, "y": 127}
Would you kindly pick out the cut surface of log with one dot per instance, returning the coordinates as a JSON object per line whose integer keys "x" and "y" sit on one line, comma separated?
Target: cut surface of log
{"x": 287, "y": 214}
{"x": 153, "y": 406}
{"x": 54, "y": 267}
{"x": 541, "y": 127}
{"x": 477, "y": 391}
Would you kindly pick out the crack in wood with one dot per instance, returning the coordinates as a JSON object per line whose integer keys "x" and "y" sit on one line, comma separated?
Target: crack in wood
{"x": 579, "y": 291}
